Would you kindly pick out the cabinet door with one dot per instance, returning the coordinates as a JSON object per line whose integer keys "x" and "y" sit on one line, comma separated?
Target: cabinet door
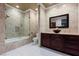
{"x": 56, "y": 42}
{"x": 45, "y": 40}
{"x": 72, "y": 45}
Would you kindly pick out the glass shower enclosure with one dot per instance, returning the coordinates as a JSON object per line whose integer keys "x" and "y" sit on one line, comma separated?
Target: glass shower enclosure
{"x": 18, "y": 24}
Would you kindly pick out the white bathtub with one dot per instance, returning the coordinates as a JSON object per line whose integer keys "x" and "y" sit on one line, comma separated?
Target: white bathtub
{"x": 15, "y": 39}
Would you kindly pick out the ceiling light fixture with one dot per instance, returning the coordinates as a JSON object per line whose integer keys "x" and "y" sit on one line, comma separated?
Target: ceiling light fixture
{"x": 17, "y": 6}
{"x": 36, "y": 9}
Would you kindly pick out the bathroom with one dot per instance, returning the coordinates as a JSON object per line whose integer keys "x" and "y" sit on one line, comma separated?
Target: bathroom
{"x": 26, "y": 23}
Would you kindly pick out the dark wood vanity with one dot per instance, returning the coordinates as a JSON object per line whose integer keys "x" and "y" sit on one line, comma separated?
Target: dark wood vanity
{"x": 61, "y": 42}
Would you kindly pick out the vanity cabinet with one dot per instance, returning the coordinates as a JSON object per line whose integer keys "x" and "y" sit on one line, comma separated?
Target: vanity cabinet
{"x": 61, "y": 42}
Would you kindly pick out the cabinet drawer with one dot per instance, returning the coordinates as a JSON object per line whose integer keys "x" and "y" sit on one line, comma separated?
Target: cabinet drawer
{"x": 72, "y": 38}
{"x": 46, "y": 36}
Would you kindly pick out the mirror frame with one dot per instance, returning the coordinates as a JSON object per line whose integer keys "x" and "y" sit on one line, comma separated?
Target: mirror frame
{"x": 67, "y": 26}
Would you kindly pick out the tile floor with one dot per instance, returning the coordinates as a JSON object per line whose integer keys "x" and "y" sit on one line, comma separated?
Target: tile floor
{"x": 33, "y": 50}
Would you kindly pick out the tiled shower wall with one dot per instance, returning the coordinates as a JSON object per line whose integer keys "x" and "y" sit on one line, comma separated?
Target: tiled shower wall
{"x": 2, "y": 28}
{"x": 17, "y": 22}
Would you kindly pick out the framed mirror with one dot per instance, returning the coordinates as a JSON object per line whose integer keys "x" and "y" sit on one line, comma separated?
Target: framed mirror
{"x": 60, "y": 21}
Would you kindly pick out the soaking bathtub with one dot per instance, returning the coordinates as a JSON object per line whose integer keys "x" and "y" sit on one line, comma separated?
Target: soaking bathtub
{"x": 13, "y": 43}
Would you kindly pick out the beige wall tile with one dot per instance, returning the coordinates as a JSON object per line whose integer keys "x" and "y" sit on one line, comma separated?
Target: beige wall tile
{"x": 59, "y": 9}
{"x": 2, "y": 27}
